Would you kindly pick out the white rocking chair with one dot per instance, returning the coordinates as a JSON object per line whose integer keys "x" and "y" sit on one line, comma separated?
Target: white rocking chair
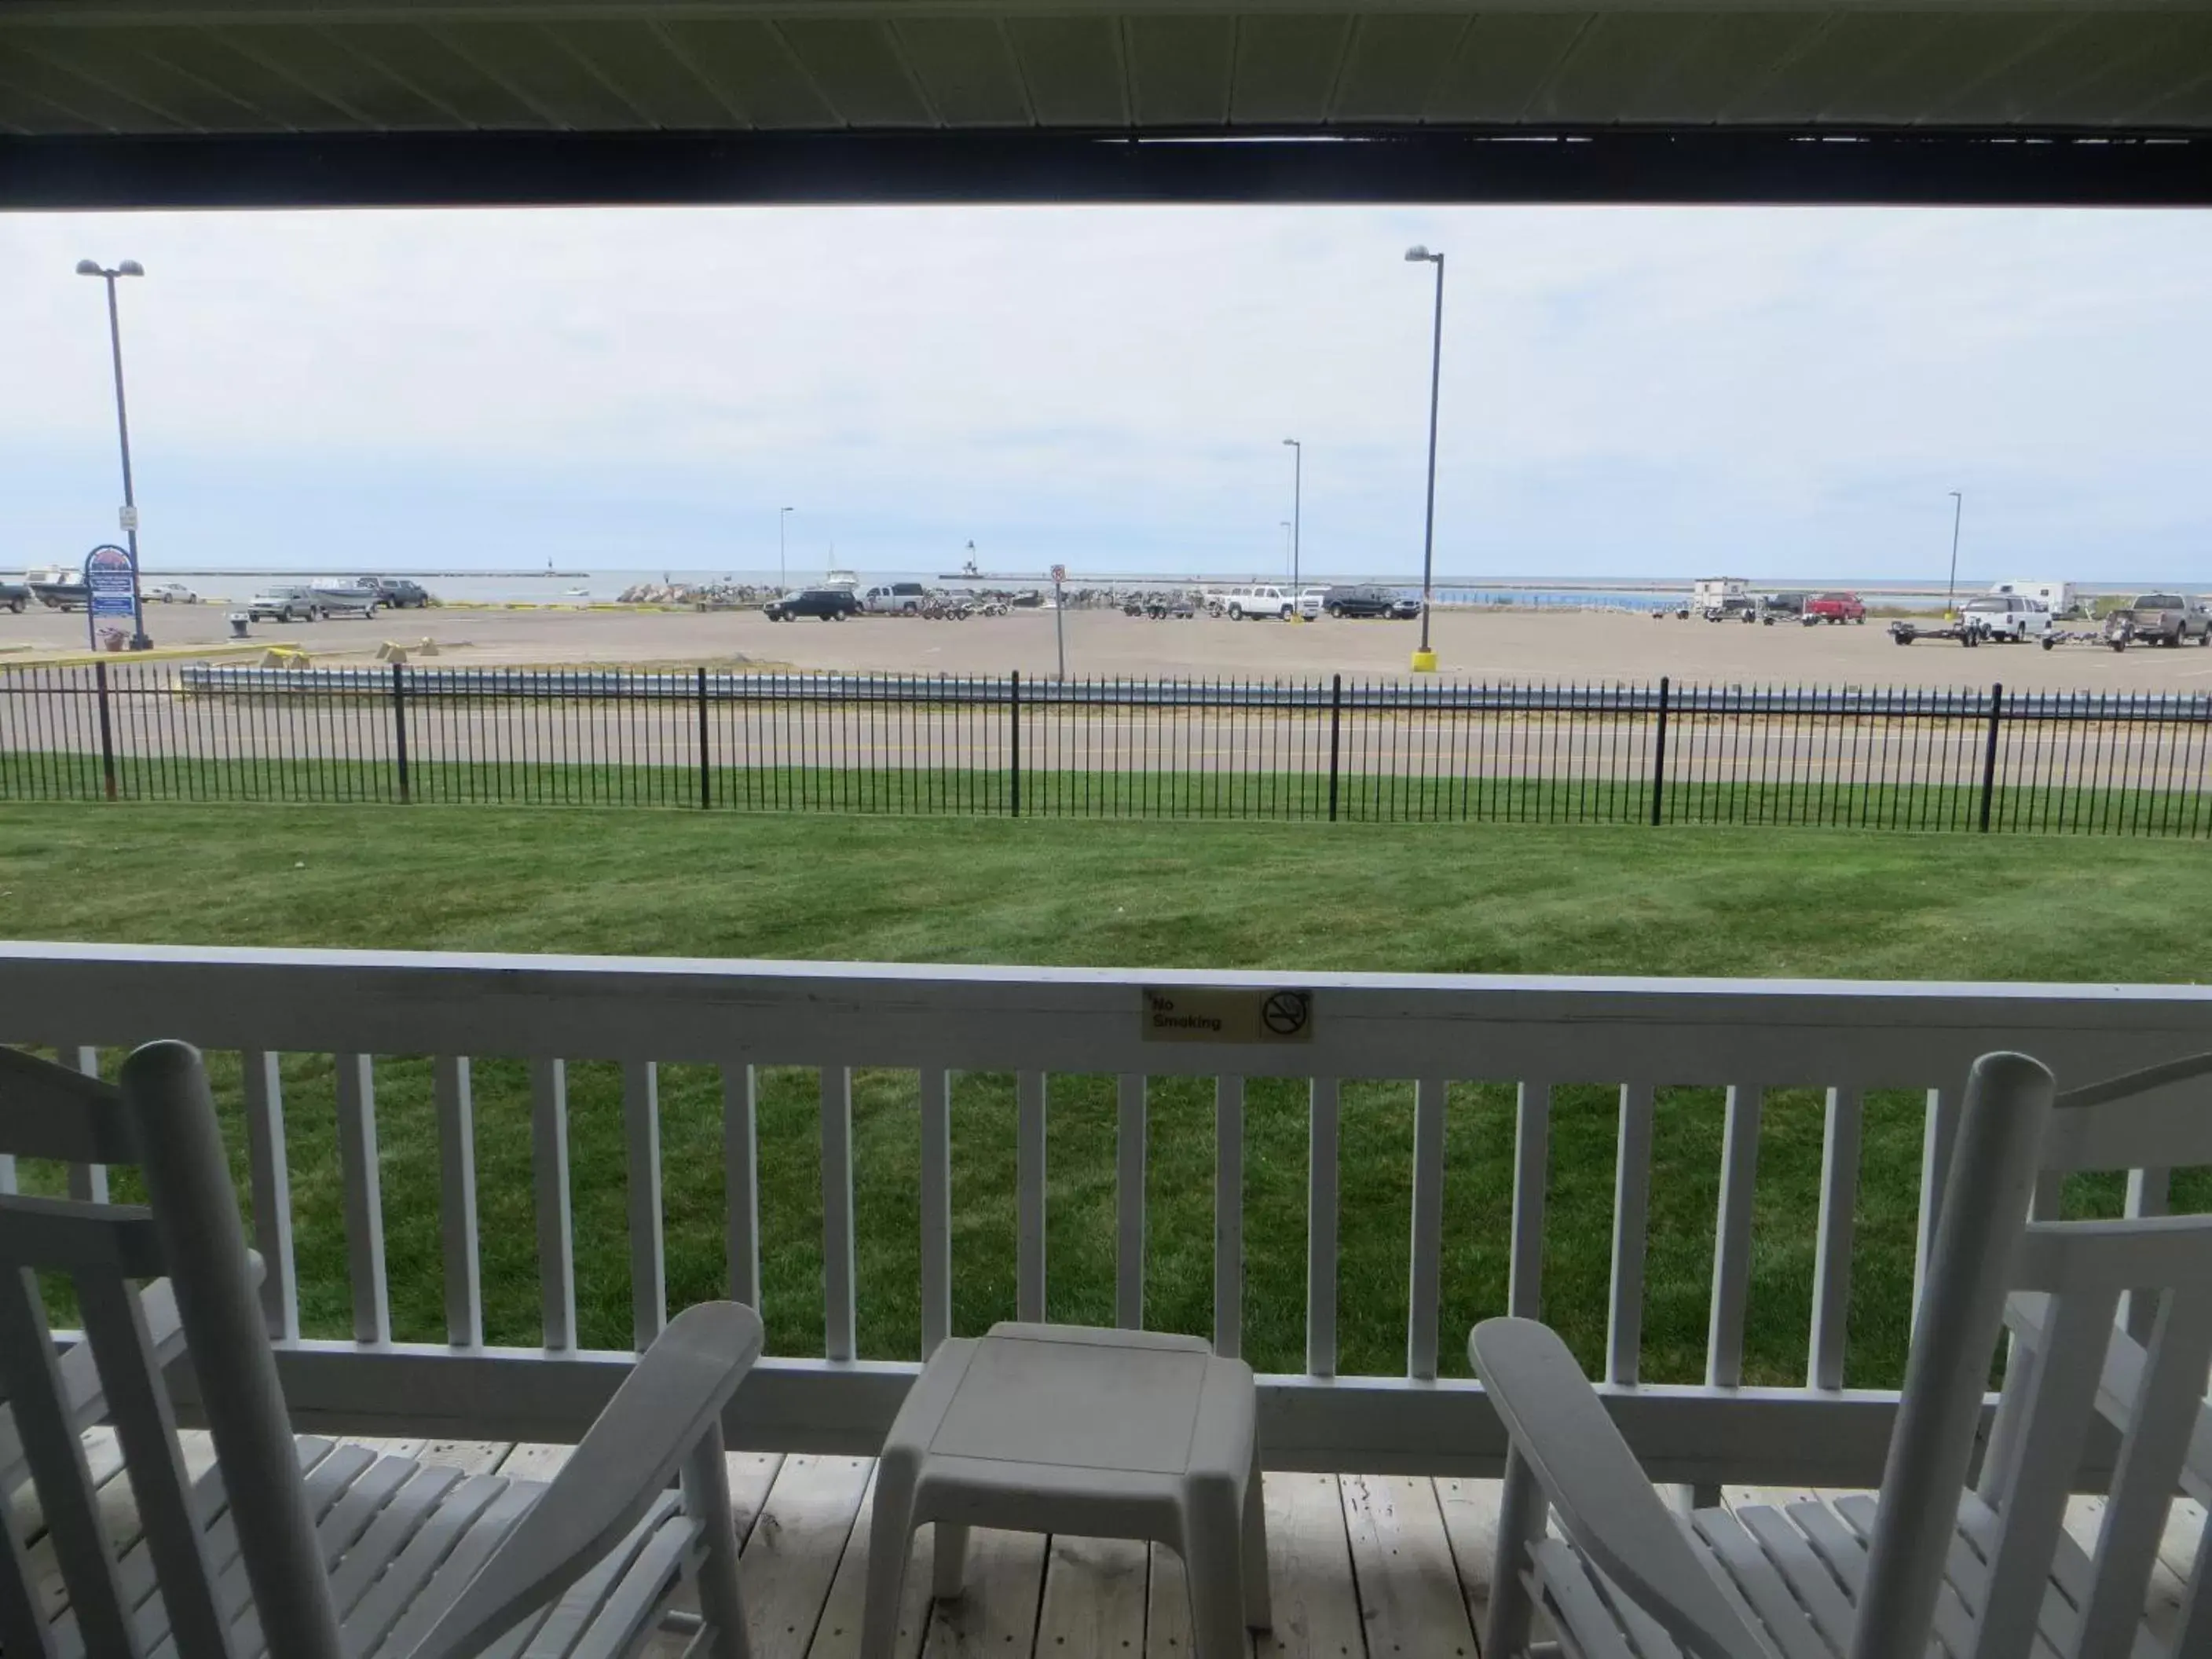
{"x": 1929, "y": 1565}
{"x": 303, "y": 1549}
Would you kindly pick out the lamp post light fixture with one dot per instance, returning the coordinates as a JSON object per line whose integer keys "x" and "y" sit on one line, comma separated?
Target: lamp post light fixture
{"x": 782, "y": 564}
{"x": 1951, "y": 589}
{"x": 128, "y": 268}
{"x": 1298, "y": 497}
{"x": 1424, "y": 659}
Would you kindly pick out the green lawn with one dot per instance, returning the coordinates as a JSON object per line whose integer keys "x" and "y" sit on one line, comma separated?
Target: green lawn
{"x": 1519, "y": 899}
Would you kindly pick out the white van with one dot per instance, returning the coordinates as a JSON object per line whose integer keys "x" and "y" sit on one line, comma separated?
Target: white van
{"x": 895, "y": 600}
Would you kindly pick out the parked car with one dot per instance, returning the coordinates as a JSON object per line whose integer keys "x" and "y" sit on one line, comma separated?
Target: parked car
{"x": 1241, "y": 602}
{"x": 282, "y": 604}
{"x": 895, "y": 600}
{"x": 2158, "y": 619}
{"x": 827, "y": 603}
{"x": 1310, "y": 602}
{"x": 2006, "y": 617}
{"x": 173, "y": 593}
{"x": 15, "y": 596}
{"x": 1790, "y": 603}
{"x": 1835, "y": 608}
{"x": 1367, "y": 599}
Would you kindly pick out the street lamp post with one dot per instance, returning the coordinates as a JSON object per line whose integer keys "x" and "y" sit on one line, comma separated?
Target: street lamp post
{"x": 1298, "y": 497}
{"x": 782, "y": 566}
{"x": 1288, "y": 532}
{"x": 128, "y": 268}
{"x": 1951, "y": 590}
{"x": 1424, "y": 659}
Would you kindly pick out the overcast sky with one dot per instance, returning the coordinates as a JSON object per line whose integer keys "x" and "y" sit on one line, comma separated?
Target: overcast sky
{"x": 1630, "y": 392}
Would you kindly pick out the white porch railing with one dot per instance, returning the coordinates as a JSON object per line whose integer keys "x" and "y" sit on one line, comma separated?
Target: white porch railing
{"x": 1748, "y": 1037}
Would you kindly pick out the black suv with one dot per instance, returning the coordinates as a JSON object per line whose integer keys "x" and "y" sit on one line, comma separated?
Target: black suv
{"x": 829, "y": 604}
{"x": 398, "y": 594}
{"x": 1365, "y": 599}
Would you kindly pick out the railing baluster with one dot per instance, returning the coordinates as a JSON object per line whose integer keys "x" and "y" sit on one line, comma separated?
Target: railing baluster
{"x": 364, "y": 1206}
{"x": 1938, "y": 1137}
{"x": 1229, "y": 1217}
{"x": 1532, "y": 1161}
{"x": 1632, "y": 1220}
{"x": 269, "y": 1178}
{"x": 1029, "y": 1196}
{"x": 1425, "y": 1279}
{"x": 1129, "y": 1202}
{"x": 648, "y": 1267}
{"x": 837, "y": 1287}
{"x": 87, "y": 1182}
{"x": 548, "y": 1168}
{"x": 1832, "y": 1254}
{"x": 456, "y": 1201}
{"x": 936, "y": 1209}
{"x": 741, "y": 1181}
{"x": 1732, "y": 1236}
{"x": 2150, "y": 1192}
{"x": 1321, "y": 1227}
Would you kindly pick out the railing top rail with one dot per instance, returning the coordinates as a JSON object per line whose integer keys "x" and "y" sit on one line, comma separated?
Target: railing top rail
{"x": 1776, "y": 1032}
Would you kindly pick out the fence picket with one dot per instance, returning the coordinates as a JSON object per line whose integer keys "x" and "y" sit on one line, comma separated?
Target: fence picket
{"x": 838, "y": 1288}
{"x": 741, "y": 1181}
{"x": 1229, "y": 1217}
{"x": 269, "y": 1177}
{"x": 1832, "y": 1249}
{"x": 648, "y": 1272}
{"x": 1426, "y": 1272}
{"x": 1732, "y": 1236}
{"x": 936, "y": 1209}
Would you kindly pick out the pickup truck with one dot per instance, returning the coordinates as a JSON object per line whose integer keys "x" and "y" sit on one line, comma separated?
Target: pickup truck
{"x": 15, "y": 596}
{"x": 1241, "y": 602}
{"x": 2160, "y": 619}
{"x": 1835, "y": 608}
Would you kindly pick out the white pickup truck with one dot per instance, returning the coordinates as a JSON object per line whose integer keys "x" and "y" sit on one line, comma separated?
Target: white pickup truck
{"x": 1239, "y": 602}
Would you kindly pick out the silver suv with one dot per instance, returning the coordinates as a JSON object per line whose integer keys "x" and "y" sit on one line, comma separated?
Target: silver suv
{"x": 282, "y": 604}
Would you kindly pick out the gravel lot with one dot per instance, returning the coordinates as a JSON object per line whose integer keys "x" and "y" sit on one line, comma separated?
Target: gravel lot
{"x": 1590, "y": 646}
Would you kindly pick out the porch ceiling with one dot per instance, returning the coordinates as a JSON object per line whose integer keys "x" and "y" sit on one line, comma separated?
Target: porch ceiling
{"x": 342, "y": 100}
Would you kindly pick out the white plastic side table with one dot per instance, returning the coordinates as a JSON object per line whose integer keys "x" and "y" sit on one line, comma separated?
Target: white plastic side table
{"x": 1069, "y": 1428}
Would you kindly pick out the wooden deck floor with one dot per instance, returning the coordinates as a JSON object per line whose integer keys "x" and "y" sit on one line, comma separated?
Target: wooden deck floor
{"x": 1360, "y": 1566}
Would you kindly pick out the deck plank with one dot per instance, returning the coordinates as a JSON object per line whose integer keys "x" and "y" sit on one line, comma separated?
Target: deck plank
{"x": 469, "y": 1456}
{"x": 1167, "y": 1608}
{"x": 1402, "y": 1560}
{"x": 534, "y": 1460}
{"x": 790, "y": 1559}
{"x": 1469, "y": 1508}
{"x": 1310, "y": 1572}
{"x": 837, "y": 1632}
{"x": 996, "y": 1617}
{"x": 1094, "y": 1599}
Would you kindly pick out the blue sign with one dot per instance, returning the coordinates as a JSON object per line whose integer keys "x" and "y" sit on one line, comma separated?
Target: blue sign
{"x": 110, "y": 583}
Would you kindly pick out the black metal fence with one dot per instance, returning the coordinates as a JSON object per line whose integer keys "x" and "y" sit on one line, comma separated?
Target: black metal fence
{"x": 1975, "y": 759}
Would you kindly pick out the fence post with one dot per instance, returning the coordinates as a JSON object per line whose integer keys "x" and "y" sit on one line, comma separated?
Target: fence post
{"x": 706, "y": 775}
{"x": 1014, "y": 774}
{"x": 1659, "y": 756}
{"x": 106, "y": 730}
{"x": 1335, "y": 720}
{"x": 1989, "y": 752}
{"x": 400, "y": 728}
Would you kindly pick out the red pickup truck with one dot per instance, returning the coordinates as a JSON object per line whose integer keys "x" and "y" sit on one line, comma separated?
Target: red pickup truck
{"x": 1835, "y": 608}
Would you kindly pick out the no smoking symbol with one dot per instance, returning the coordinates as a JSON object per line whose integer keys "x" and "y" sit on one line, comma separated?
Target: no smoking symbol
{"x": 1286, "y": 1012}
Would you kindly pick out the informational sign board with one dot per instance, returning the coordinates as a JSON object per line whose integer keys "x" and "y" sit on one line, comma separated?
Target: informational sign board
{"x": 126, "y": 519}
{"x": 1058, "y": 575}
{"x": 1178, "y": 1013}
{"x": 110, "y": 588}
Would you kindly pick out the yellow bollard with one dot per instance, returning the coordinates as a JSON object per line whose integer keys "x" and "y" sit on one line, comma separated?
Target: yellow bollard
{"x": 1425, "y": 662}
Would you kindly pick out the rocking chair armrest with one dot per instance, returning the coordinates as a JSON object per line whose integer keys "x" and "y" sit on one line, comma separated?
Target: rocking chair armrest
{"x": 656, "y": 1419}
{"x": 1604, "y": 1501}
